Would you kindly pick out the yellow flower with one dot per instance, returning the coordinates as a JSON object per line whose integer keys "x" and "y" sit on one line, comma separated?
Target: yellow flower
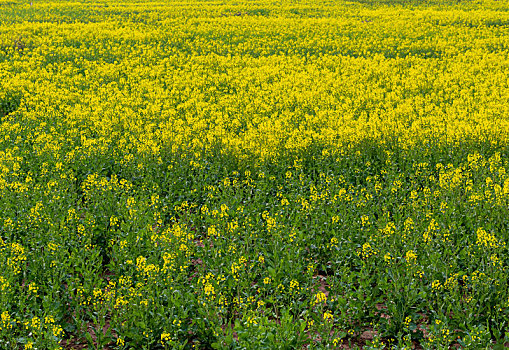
{"x": 320, "y": 297}
{"x": 327, "y": 316}
{"x": 410, "y": 257}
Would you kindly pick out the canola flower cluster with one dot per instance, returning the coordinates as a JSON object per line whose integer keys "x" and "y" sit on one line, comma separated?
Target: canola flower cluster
{"x": 254, "y": 175}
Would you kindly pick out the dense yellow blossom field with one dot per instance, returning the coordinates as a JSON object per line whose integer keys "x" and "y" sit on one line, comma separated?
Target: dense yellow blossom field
{"x": 256, "y": 174}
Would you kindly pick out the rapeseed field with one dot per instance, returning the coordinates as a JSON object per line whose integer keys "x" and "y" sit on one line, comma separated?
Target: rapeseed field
{"x": 254, "y": 174}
